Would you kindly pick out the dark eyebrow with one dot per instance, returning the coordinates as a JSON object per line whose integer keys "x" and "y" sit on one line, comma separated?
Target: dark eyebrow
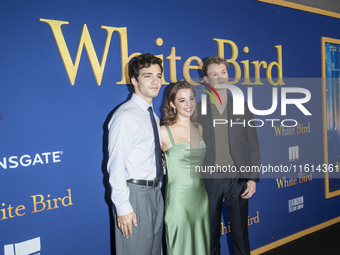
{"x": 150, "y": 74}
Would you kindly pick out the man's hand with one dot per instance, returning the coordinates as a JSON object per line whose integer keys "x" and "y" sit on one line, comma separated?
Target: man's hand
{"x": 125, "y": 223}
{"x": 251, "y": 189}
{"x": 164, "y": 162}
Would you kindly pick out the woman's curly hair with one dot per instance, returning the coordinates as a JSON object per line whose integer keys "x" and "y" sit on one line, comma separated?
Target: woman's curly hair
{"x": 170, "y": 117}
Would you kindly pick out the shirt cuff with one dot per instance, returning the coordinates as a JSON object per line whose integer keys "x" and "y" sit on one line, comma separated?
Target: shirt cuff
{"x": 124, "y": 209}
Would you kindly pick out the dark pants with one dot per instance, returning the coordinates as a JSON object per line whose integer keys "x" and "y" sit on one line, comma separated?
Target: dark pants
{"x": 237, "y": 208}
{"x": 147, "y": 203}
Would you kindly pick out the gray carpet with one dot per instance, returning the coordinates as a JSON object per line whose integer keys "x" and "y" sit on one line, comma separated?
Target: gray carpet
{"x": 324, "y": 241}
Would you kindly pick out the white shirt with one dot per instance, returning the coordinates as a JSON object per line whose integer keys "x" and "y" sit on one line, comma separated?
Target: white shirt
{"x": 131, "y": 148}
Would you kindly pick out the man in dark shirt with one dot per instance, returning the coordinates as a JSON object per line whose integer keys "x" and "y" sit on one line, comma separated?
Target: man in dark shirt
{"x": 231, "y": 147}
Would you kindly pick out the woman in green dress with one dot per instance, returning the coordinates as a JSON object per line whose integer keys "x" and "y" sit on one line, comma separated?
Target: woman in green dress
{"x": 186, "y": 200}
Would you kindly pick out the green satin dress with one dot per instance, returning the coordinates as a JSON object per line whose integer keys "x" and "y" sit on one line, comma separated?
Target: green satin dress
{"x": 186, "y": 201}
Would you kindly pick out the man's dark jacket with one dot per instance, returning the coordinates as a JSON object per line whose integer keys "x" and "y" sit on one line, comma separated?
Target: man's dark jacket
{"x": 243, "y": 141}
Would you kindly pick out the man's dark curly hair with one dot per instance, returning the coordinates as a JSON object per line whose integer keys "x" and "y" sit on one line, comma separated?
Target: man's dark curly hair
{"x": 143, "y": 61}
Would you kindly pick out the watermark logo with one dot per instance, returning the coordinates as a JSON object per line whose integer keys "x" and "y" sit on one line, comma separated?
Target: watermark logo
{"x": 31, "y": 246}
{"x": 204, "y": 98}
{"x": 238, "y": 100}
{"x": 239, "y": 105}
{"x": 293, "y": 153}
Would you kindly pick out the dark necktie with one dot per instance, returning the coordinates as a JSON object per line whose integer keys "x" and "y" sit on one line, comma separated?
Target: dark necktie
{"x": 158, "y": 151}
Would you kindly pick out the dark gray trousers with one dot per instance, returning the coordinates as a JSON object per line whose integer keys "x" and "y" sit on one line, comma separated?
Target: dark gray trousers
{"x": 237, "y": 208}
{"x": 148, "y": 205}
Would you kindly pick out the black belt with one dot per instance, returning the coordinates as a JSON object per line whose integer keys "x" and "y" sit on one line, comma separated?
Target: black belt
{"x": 153, "y": 183}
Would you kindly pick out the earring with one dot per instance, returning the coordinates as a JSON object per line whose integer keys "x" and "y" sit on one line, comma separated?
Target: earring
{"x": 175, "y": 110}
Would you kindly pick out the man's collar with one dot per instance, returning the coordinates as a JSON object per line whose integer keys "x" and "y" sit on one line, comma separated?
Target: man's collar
{"x": 140, "y": 102}
{"x": 218, "y": 101}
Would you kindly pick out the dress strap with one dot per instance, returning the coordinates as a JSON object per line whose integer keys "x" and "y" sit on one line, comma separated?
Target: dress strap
{"x": 199, "y": 130}
{"x": 170, "y": 135}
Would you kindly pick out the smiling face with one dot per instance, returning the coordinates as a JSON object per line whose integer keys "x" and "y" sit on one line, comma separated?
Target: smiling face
{"x": 149, "y": 82}
{"x": 217, "y": 74}
{"x": 184, "y": 103}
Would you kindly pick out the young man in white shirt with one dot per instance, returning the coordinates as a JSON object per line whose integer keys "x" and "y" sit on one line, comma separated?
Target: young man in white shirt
{"x": 135, "y": 161}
